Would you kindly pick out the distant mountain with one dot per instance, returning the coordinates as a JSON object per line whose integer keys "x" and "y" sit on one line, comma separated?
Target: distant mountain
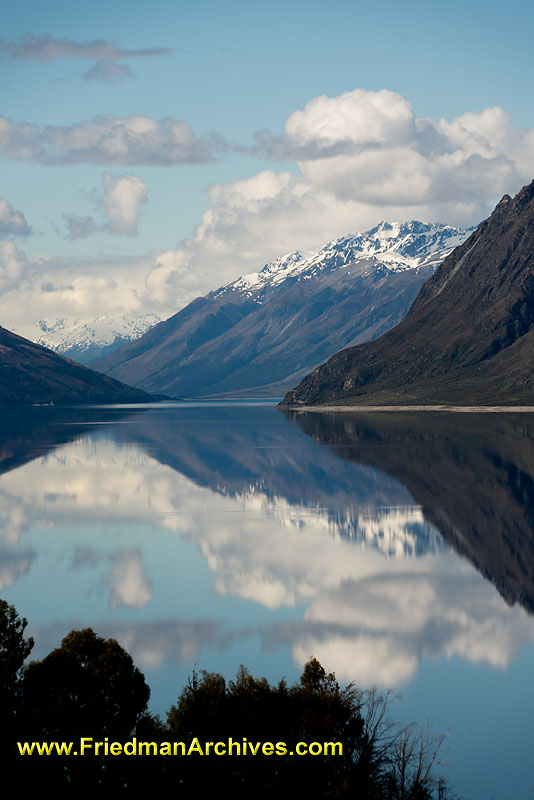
{"x": 31, "y": 374}
{"x": 263, "y": 332}
{"x": 86, "y": 341}
{"x": 467, "y": 339}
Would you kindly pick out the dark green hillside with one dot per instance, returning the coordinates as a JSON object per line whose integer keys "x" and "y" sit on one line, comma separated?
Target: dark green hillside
{"x": 31, "y": 374}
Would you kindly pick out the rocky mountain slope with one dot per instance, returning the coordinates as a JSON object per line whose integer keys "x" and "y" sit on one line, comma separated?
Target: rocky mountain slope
{"x": 31, "y": 374}
{"x": 467, "y": 339}
{"x": 263, "y": 332}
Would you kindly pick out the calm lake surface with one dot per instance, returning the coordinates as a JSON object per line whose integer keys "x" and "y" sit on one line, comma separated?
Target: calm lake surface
{"x": 397, "y": 548}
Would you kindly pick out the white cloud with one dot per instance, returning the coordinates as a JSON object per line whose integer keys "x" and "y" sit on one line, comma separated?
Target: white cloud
{"x": 359, "y": 117}
{"x": 257, "y": 219}
{"x": 12, "y": 223}
{"x": 362, "y": 157}
{"x": 393, "y": 157}
{"x": 123, "y": 199}
{"x": 128, "y": 582}
{"x": 151, "y": 644}
{"x": 13, "y": 566}
{"x": 12, "y": 265}
{"x": 48, "y": 48}
{"x": 85, "y": 289}
{"x": 107, "y": 140}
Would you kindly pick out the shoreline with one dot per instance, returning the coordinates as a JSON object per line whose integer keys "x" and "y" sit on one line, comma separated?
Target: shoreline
{"x": 452, "y": 409}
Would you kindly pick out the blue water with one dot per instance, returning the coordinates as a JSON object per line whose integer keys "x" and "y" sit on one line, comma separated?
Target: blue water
{"x": 393, "y": 548}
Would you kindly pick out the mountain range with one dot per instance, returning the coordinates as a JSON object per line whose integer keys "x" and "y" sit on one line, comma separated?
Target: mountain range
{"x": 264, "y": 331}
{"x": 468, "y": 337}
{"x": 86, "y": 341}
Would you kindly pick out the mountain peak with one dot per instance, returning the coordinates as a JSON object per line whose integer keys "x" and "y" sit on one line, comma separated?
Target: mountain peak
{"x": 468, "y": 337}
{"x": 84, "y": 341}
{"x": 267, "y": 329}
{"x": 397, "y": 245}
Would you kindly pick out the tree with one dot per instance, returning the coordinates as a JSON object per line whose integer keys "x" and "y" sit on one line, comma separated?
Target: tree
{"x": 315, "y": 709}
{"x": 14, "y": 649}
{"x": 414, "y": 754}
{"x": 90, "y": 687}
{"x": 87, "y": 686}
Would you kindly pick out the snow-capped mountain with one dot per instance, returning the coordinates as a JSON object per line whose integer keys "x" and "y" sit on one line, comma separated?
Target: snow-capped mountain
{"x": 398, "y": 246}
{"x": 86, "y": 341}
{"x": 469, "y": 336}
{"x": 264, "y": 331}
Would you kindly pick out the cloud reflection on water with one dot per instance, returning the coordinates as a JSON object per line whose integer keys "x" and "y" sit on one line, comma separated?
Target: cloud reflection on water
{"x": 380, "y": 591}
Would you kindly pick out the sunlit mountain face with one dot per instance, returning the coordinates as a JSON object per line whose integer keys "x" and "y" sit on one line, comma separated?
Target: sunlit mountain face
{"x": 260, "y": 334}
{"x": 395, "y": 548}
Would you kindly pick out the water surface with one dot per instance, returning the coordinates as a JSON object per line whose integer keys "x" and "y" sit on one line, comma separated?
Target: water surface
{"x": 398, "y": 549}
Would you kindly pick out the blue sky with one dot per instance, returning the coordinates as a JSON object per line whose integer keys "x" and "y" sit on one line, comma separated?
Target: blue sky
{"x": 229, "y": 70}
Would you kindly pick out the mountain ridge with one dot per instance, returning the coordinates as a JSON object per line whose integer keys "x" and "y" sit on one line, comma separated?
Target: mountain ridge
{"x": 264, "y": 331}
{"x": 33, "y": 375}
{"x": 468, "y": 338}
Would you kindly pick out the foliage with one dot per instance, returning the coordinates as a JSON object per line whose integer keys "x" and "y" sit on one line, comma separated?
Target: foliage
{"x": 89, "y": 687}
{"x": 14, "y": 649}
{"x": 381, "y": 760}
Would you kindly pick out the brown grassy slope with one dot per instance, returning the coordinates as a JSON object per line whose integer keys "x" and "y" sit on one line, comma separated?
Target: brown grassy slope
{"x": 468, "y": 337}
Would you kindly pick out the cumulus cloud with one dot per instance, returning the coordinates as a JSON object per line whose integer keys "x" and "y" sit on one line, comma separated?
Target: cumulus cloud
{"x": 106, "y": 71}
{"x": 121, "y": 201}
{"x": 151, "y": 644}
{"x": 108, "y": 140}
{"x": 82, "y": 290}
{"x": 12, "y": 223}
{"x": 12, "y": 265}
{"x": 128, "y": 582}
{"x": 382, "y": 628}
{"x": 360, "y": 157}
{"x": 173, "y": 641}
{"x": 48, "y": 48}
{"x": 124, "y": 197}
{"x": 371, "y": 147}
{"x": 257, "y": 219}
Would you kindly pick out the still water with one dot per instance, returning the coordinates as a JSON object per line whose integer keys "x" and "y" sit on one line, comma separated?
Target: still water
{"x": 396, "y": 548}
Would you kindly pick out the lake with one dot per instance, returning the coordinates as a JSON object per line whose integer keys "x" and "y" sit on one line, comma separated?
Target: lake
{"x": 397, "y": 548}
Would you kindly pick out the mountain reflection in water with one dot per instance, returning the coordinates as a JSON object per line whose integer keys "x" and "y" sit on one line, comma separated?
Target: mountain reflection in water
{"x": 473, "y": 475}
{"x": 220, "y": 534}
{"x": 358, "y": 538}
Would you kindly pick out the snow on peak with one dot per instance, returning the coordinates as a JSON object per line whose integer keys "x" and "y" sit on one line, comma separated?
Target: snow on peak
{"x": 274, "y": 272}
{"x": 393, "y": 246}
{"x": 396, "y": 245}
{"x": 69, "y": 334}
